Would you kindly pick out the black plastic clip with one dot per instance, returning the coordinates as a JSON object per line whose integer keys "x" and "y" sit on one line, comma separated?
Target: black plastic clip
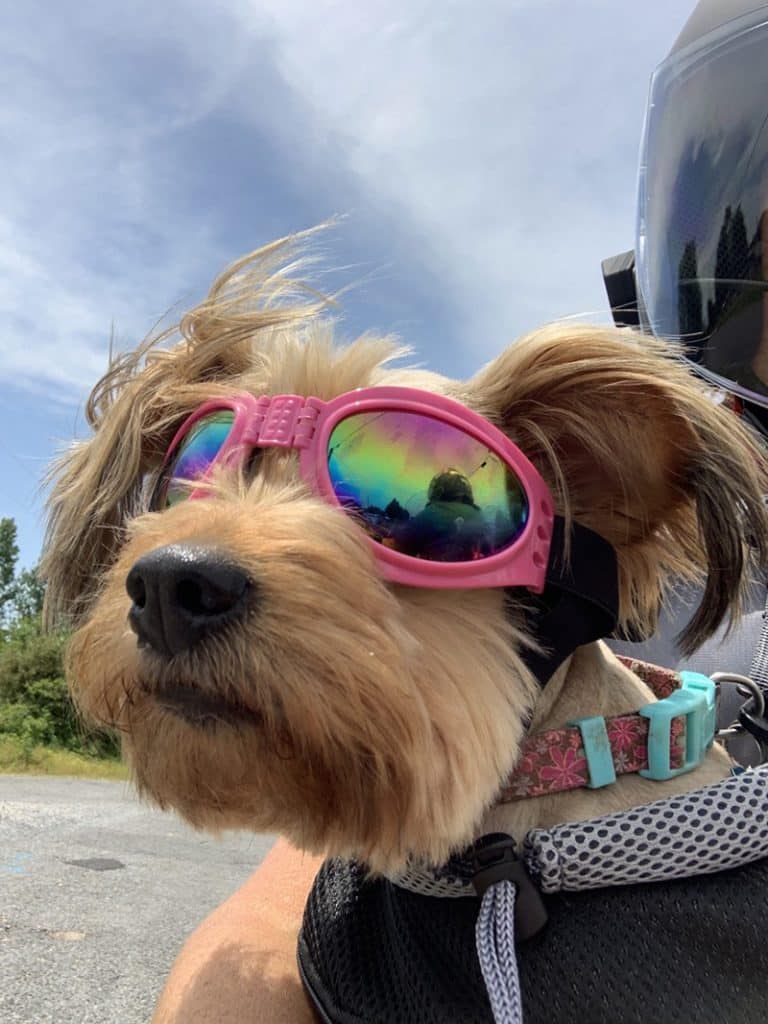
{"x": 494, "y": 859}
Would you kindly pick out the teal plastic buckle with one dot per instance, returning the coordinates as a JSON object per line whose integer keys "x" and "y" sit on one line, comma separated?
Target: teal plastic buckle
{"x": 597, "y": 750}
{"x": 696, "y": 700}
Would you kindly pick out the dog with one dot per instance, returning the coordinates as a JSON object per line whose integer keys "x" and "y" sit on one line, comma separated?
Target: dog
{"x": 264, "y": 655}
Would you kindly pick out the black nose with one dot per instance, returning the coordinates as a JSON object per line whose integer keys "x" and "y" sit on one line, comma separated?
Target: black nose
{"x": 182, "y": 593}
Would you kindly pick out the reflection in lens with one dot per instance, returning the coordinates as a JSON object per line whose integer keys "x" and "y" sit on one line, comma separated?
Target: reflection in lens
{"x": 703, "y": 223}
{"x": 194, "y": 456}
{"x": 425, "y": 488}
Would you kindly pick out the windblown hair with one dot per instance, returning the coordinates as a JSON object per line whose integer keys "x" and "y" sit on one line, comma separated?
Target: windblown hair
{"x": 252, "y": 326}
{"x": 636, "y": 448}
{"x": 354, "y": 716}
{"x": 630, "y": 443}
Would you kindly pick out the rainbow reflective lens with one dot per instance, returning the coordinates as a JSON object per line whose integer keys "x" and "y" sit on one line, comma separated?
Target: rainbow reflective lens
{"x": 445, "y": 498}
{"x": 194, "y": 457}
{"x": 423, "y": 487}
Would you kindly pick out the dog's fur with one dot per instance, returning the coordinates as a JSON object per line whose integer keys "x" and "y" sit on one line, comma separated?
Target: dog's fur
{"x": 377, "y": 720}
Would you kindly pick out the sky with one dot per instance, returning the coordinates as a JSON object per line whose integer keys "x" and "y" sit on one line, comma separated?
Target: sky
{"x": 482, "y": 154}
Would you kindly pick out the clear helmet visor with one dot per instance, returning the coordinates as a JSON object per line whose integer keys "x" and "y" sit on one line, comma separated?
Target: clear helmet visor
{"x": 702, "y": 235}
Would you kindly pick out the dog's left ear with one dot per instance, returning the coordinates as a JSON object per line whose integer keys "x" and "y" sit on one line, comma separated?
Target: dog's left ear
{"x": 134, "y": 410}
{"x": 635, "y": 448}
{"x": 97, "y": 485}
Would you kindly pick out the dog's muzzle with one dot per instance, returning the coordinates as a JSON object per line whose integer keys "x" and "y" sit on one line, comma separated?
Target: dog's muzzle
{"x": 183, "y": 593}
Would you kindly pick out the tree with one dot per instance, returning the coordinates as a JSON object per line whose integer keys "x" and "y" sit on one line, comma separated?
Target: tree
{"x": 9, "y": 554}
{"x": 21, "y": 593}
{"x": 35, "y": 705}
{"x": 28, "y": 594}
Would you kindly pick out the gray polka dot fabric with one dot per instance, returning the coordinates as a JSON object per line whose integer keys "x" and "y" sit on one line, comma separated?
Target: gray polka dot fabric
{"x": 712, "y": 829}
{"x": 721, "y": 826}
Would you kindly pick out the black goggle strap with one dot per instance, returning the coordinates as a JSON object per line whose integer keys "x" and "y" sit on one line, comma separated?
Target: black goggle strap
{"x": 580, "y": 602}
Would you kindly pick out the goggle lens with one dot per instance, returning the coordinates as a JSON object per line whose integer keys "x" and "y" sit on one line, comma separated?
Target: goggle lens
{"x": 425, "y": 488}
{"x": 416, "y": 484}
{"x": 193, "y": 457}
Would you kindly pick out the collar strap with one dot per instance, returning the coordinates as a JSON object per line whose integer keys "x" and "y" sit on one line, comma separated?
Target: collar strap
{"x": 580, "y": 602}
{"x": 663, "y": 739}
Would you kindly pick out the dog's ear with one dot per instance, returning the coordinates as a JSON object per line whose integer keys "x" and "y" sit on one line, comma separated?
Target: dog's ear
{"x": 97, "y": 486}
{"x": 635, "y": 448}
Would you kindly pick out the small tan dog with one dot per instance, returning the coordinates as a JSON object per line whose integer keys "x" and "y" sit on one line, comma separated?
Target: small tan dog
{"x": 358, "y": 716}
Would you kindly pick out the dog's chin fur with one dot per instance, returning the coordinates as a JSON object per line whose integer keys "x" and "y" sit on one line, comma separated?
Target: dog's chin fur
{"x": 364, "y": 719}
{"x": 354, "y": 716}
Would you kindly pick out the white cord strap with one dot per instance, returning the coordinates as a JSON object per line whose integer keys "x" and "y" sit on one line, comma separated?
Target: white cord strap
{"x": 495, "y": 940}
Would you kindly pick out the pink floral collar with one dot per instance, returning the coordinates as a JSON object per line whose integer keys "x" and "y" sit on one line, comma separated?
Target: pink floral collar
{"x": 555, "y": 761}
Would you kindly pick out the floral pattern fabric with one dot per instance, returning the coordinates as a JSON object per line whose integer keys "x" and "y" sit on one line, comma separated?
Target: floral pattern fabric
{"x": 555, "y": 761}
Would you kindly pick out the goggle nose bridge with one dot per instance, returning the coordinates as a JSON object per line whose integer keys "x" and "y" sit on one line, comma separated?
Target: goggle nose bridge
{"x": 283, "y": 421}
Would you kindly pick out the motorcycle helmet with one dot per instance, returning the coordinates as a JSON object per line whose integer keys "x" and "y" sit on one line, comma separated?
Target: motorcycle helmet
{"x": 699, "y": 270}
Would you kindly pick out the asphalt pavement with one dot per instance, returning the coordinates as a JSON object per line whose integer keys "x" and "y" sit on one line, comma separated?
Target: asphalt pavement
{"x": 97, "y": 894}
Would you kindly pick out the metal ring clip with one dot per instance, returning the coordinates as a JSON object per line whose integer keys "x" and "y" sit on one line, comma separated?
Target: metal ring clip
{"x": 755, "y": 691}
{"x": 746, "y": 687}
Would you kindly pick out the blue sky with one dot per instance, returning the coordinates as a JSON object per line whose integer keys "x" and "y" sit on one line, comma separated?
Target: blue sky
{"x": 484, "y": 152}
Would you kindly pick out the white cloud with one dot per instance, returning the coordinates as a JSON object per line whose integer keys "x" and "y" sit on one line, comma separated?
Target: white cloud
{"x": 499, "y": 139}
{"x": 497, "y": 126}
{"x": 85, "y": 240}
{"x": 486, "y": 150}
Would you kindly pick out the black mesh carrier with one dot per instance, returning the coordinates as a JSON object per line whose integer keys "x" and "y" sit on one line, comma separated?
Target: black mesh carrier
{"x": 693, "y": 951}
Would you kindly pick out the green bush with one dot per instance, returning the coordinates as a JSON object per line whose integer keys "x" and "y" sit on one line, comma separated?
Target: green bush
{"x": 31, "y": 729}
{"x": 35, "y": 705}
{"x": 35, "y": 708}
{"x": 29, "y": 654}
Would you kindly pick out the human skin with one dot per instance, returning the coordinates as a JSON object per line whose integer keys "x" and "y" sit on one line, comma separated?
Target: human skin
{"x": 239, "y": 965}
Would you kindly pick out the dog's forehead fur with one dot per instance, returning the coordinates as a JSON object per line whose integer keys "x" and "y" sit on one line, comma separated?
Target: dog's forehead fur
{"x": 312, "y": 362}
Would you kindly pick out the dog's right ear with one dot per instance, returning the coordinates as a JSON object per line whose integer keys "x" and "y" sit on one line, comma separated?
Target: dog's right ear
{"x": 97, "y": 486}
{"x": 634, "y": 448}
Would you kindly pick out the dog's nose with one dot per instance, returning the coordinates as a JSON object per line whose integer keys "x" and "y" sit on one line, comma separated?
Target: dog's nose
{"x": 182, "y": 593}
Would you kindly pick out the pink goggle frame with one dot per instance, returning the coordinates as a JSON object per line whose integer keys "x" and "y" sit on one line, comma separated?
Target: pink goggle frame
{"x": 365, "y": 445}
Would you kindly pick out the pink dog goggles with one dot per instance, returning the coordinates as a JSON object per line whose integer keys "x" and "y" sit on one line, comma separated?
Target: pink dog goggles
{"x": 446, "y": 499}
